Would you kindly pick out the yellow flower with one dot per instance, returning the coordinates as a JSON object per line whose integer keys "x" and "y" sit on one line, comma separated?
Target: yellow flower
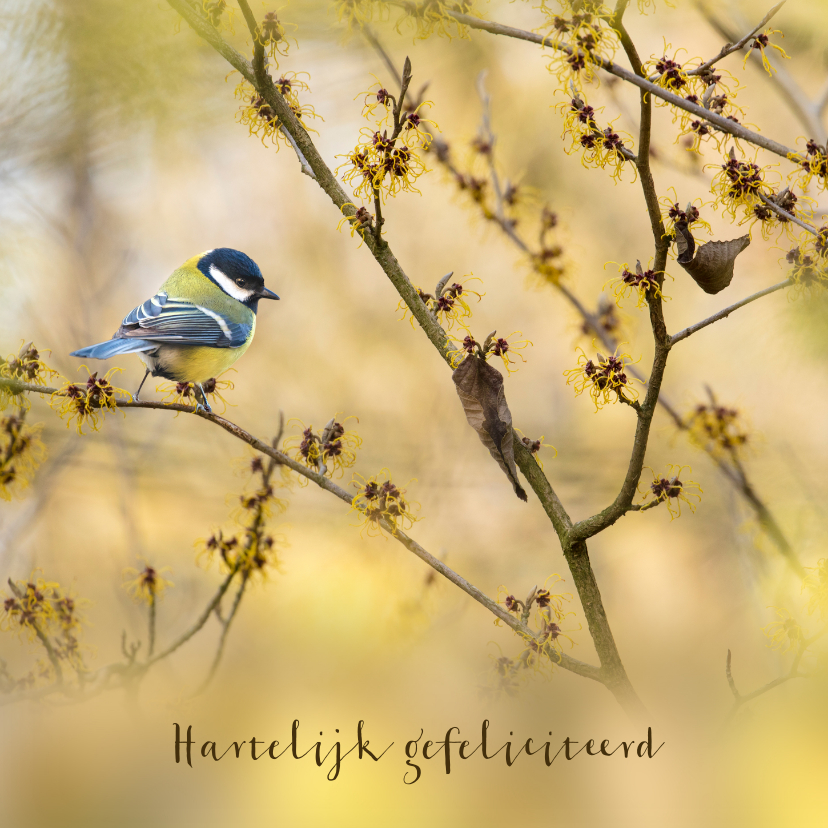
{"x": 31, "y": 608}
{"x": 599, "y": 148}
{"x": 605, "y": 379}
{"x": 271, "y": 35}
{"x": 26, "y": 366}
{"x": 642, "y": 283}
{"x": 507, "y": 347}
{"x": 214, "y": 10}
{"x": 385, "y": 161}
{"x": 184, "y": 393}
{"x": 813, "y": 163}
{"x": 261, "y": 120}
{"x": 360, "y": 222}
{"x": 761, "y": 42}
{"x": 44, "y": 607}
{"x": 330, "y": 452}
{"x": 146, "y": 586}
{"x": 90, "y": 402}
{"x": 535, "y": 446}
{"x": 21, "y": 452}
{"x": 449, "y": 303}
{"x": 673, "y": 491}
{"x": 689, "y": 217}
{"x": 738, "y": 185}
{"x": 379, "y": 501}
{"x": 717, "y": 429}
{"x": 785, "y": 633}
{"x": 809, "y": 263}
{"x": 580, "y": 39}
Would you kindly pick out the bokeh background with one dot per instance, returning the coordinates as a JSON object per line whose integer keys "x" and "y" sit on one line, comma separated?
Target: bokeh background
{"x": 121, "y": 157}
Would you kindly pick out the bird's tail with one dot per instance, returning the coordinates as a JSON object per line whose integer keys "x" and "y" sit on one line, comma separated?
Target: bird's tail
{"x": 104, "y": 350}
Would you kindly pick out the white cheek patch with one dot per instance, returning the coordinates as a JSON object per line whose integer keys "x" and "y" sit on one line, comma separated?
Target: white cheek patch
{"x": 229, "y": 286}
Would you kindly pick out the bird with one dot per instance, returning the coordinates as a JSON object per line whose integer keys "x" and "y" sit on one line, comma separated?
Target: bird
{"x": 201, "y": 320}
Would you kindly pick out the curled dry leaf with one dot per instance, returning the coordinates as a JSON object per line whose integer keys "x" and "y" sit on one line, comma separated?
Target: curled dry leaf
{"x": 480, "y": 388}
{"x": 710, "y": 265}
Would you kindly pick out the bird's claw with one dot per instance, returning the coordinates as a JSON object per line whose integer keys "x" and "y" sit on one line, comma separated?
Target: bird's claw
{"x": 205, "y": 407}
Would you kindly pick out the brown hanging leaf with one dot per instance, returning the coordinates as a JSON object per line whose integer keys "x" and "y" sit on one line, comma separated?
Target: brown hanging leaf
{"x": 480, "y": 388}
{"x": 710, "y": 265}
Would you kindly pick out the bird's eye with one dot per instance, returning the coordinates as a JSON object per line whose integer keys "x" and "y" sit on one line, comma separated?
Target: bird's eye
{"x": 240, "y": 282}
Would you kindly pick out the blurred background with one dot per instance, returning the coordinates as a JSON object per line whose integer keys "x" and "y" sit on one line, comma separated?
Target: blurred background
{"x": 121, "y": 157}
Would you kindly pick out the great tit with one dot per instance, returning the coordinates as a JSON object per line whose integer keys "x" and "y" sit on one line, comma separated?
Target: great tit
{"x": 198, "y": 324}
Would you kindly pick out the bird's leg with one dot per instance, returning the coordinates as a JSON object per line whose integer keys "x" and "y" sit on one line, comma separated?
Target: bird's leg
{"x": 206, "y": 406}
{"x": 135, "y": 395}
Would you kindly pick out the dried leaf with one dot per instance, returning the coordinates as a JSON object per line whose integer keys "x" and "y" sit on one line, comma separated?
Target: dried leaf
{"x": 710, "y": 265}
{"x": 480, "y": 388}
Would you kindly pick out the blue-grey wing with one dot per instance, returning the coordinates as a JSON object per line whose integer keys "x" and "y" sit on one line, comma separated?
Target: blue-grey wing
{"x": 164, "y": 320}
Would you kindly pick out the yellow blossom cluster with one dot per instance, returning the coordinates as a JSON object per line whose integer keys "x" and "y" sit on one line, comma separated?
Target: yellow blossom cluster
{"x": 185, "y": 393}
{"x": 21, "y": 452}
{"x": 449, "y": 303}
{"x": 785, "y": 633}
{"x": 580, "y": 37}
{"x": 27, "y": 366}
{"x": 604, "y": 378}
{"x": 641, "y": 283}
{"x": 381, "y": 504}
{"x": 711, "y": 88}
{"x": 544, "y": 611}
{"x": 330, "y": 452}
{"x": 599, "y": 148}
{"x": 809, "y": 263}
{"x": 717, "y": 429}
{"x": 812, "y": 164}
{"x": 215, "y": 10}
{"x": 739, "y": 185}
{"x": 88, "y": 403}
{"x": 673, "y": 491}
{"x": 386, "y": 160}
{"x": 259, "y": 117}
{"x": 147, "y": 585}
{"x": 504, "y": 347}
{"x": 44, "y": 611}
{"x": 250, "y": 547}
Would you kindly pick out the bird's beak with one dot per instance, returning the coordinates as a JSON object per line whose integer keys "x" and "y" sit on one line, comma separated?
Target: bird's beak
{"x": 264, "y": 293}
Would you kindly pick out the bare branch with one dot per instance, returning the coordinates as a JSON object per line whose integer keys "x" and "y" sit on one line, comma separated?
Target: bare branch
{"x": 731, "y": 47}
{"x": 722, "y": 314}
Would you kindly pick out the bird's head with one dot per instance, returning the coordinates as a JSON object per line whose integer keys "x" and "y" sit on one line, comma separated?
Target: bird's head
{"x": 236, "y": 274}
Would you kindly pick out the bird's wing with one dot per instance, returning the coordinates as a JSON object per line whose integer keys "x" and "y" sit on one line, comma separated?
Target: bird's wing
{"x": 175, "y": 321}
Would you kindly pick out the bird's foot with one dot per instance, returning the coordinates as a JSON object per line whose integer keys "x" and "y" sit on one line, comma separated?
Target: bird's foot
{"x": 135, "y": 398}
{"x": 205, "y": 407}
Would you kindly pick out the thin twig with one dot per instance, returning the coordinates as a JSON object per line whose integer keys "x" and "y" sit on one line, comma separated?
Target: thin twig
{"x": 722, "y": 314}
{"x": 729, "y": 48}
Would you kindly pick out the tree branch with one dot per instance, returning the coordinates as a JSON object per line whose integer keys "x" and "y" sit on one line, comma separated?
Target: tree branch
{"x": 722, "y": 314}
{"x": 567, "y": 662}
{"x": 724, "y": 124}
